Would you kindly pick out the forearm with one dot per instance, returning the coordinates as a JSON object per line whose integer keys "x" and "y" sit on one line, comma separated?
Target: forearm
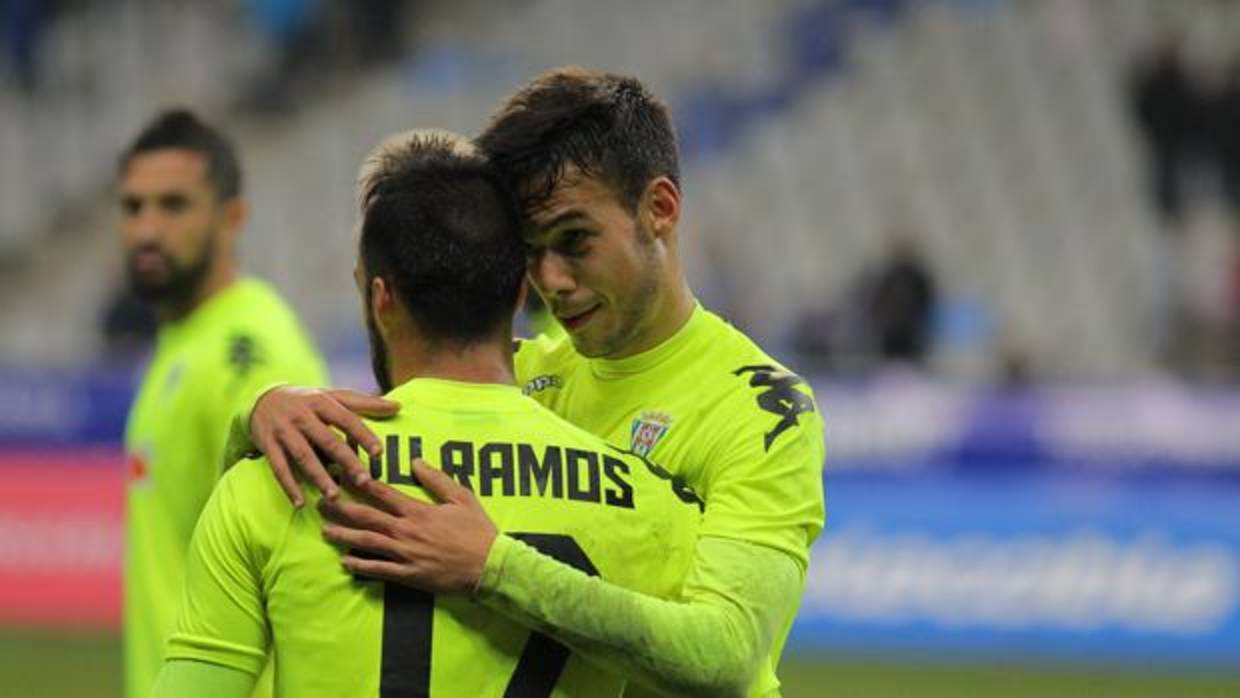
{"x": 181, "y": 678}
{"x": 711, "y": 642}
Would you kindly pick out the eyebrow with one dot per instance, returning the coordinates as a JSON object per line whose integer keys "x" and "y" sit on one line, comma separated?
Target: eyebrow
{"x": 571, "y": 214}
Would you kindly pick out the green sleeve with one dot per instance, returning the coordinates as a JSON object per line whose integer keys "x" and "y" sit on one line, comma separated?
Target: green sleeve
{"x": 711, "y": 642}
{"x": 222, "y": 619}
{"x": 763, "y": 478}
{"x": 181, "y": 678}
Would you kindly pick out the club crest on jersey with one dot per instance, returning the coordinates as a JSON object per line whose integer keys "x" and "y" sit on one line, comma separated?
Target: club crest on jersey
{"x": 648, "y": 429}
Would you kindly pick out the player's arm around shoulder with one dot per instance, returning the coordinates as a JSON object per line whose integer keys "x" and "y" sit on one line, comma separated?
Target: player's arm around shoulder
{"x": 672, "y": 631}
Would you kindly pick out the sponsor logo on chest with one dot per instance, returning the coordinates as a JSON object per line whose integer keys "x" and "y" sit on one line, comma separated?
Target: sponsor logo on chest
{"x": 648, "y": 429}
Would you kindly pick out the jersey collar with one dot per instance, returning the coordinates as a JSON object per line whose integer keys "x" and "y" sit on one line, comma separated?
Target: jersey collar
{"x": 459, "y": 396}
{"x": 218, "y": 305}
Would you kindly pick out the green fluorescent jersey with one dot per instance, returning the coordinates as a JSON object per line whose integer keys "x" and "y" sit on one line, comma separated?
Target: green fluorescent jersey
{"x": 713, "y": 409}
{"x": 241, "y": 338}
{"x": 261, "y": 576}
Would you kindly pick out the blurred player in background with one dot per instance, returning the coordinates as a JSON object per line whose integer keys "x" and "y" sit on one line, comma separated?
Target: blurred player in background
{"x": 594, "y": 160}
{"x": 220, "y": 337}
{"x": 440, "y": 270}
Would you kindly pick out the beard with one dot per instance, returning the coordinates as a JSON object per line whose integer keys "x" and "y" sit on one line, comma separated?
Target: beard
{"x": 182, "y": 282}
{"x": 378, "y": 353}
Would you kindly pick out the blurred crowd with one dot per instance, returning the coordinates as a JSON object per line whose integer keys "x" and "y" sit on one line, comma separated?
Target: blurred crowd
{"x": 1187, "y": 114}
{"x": 308, "y": 39}
{"x": 896, "y": 307}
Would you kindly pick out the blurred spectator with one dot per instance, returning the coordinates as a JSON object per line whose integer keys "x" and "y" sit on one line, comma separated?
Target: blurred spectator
{"x": 21, "y": 28}
{"x": 814, "y": 339}
{"x": 1015, "y": 369}
{"x": 1166, "y": 103}
{"x": 290, "y": 27}
{"x": 1225, "y": 119}
{"x": 314, "y": 40}
{"x": 901, "y": 304}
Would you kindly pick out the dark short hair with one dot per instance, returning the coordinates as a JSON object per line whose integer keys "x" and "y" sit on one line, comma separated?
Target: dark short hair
{"x": 442, "y": 229}
{"x": 180, "y": 128}
{"x": 608, "y": 126}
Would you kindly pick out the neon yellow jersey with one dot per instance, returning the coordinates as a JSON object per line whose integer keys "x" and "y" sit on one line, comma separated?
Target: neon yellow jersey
{"x": 261, "y": 576}
{"x": 242, "y": 338}
{"x": 713, "y": 409}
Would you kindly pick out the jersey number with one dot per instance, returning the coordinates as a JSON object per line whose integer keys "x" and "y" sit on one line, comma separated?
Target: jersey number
{"x": 407, "y": 628}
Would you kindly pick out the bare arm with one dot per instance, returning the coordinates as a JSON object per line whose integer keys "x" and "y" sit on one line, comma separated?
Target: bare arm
{"x": 292, "y": 426}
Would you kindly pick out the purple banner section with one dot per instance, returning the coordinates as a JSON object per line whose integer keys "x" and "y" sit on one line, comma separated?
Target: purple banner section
{"x": 892, "y": 424}
{"x": 909, "y": 424}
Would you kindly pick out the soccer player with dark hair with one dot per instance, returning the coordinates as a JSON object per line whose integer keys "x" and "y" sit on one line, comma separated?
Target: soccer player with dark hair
{"x": 440, "y": 269}
{"x": 221, "y": 337}
{"x": 593, "y": 159}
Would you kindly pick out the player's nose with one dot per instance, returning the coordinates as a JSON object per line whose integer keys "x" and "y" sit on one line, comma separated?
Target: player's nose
{"x": 145, "y": 226}
{"x": 552, "y": 275}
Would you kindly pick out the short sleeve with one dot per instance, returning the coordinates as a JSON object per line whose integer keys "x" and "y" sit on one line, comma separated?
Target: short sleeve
{"x": 222, "y": 619}
{"x": 764, "y": 477}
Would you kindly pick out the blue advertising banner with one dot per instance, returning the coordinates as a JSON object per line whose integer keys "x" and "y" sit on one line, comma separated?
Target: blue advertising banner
{"x": 1122, "y": 568}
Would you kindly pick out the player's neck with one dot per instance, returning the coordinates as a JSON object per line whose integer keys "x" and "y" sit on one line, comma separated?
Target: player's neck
{"x": 487, "y": 362}
{"x": 669, "y": 315}
{"x": 219, "y": 278}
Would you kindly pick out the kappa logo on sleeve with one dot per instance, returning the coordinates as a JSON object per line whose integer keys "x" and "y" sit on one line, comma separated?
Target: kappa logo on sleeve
{"x": 780, "y": 398}
{"x": 541, "y": 383}
{"x": 648, "y": 429}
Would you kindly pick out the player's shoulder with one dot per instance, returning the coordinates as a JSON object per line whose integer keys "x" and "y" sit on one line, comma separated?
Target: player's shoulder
{"x": 252, "y": 490}
{"x": 734, "y": 353}
{"x": 259, "y": 310}
{"x": 260, "y": 329}
{"x": 542, "y": 359}
{"x": 754, "y": 394}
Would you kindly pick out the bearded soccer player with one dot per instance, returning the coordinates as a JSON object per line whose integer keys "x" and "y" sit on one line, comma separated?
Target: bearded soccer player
{"x": 440, "y": 267}
{"x": 593, "y": 158}
{"x": 221, "y": 337}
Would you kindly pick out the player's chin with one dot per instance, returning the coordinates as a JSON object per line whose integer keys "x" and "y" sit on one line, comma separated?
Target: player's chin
{"x": 592, "y": 343}
{"x": 150, "y": 286}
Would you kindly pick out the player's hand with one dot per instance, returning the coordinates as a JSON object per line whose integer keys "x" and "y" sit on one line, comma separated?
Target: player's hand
{"x": 289, "y": 423}
{"x": 440, "y": 548}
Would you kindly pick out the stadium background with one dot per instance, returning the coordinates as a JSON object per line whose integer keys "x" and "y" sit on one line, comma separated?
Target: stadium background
{"x": 1042, "y": 501}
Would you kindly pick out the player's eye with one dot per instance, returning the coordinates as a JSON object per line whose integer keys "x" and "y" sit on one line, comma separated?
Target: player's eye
{"x": 131, "y": 205}
{"x": 572, "y": 242}
{"x": 173, "y": 203}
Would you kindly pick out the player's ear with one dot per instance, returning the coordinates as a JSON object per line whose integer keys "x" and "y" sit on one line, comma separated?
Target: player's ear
{"x": 236, "y": 211}
{"x": 231, "y": 217}
{"x": 382, "y": 302}
{"x": 659, "y": 207}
